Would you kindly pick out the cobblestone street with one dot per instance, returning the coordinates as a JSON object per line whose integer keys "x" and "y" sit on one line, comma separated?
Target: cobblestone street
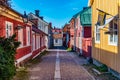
{"x": 59, "y": 65}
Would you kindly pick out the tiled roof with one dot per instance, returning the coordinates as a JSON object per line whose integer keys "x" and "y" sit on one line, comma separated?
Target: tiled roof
{"x": 57, "y": 36}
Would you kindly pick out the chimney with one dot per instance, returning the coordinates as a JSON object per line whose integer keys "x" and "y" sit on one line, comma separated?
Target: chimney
{"x": 85, "y": 8}
{"x": 41, "y": 17}
{"x": 50, "y": 24}
{"x": 37, "y": 13}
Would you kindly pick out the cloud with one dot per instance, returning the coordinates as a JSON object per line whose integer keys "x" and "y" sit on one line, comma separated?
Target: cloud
{"x": 74, "y": 9}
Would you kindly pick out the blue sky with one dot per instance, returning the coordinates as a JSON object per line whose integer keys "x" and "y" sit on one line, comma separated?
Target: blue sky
{"x": 58, "y": 12}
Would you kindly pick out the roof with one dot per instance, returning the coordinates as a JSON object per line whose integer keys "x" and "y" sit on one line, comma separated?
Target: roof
{"x": 57, "y": 36}
{"x": 85, "y": 17}
{"x": 38, "y": 17}
{"x": 38, "y": 30}
{"x": 74, "y": 16}
{"x": 57, "y": 30}
{"x": 13, "y": 10}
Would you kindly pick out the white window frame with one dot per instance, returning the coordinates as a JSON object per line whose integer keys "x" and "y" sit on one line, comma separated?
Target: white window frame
{"x": 33, "y": 42}
{"x": 20, "y": 37}
{"x": 113, "y": 43}
{"x": 56, "y": 40}
{"x": 37, "y": 42}
{"x": 97, "y": 41}
{"x": 28, "y": 35}
{"x": 9, "y": 29}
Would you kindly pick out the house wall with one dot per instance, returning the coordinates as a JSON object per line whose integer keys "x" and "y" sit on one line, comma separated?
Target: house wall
{"x": 71, "y": 32}
{"x": 87, "y": 32}
{"x": 102, "y": 51}
{"x": 38, "y": 44}
{"x": 58, "y": 43}
{"x": 24, "y": 51}
{"x": 42, "y": 25}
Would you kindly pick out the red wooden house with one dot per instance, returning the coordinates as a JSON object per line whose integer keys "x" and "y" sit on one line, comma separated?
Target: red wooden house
{"x": 11, "y": 22}
{"x": 65, "y": 35}
{"x": 71, "y": 33}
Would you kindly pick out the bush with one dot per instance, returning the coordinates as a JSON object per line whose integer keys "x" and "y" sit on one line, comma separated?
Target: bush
{"x": 8, "y": 48}
{"x": 102, "y": 68}
{"x": 69, "y": 49}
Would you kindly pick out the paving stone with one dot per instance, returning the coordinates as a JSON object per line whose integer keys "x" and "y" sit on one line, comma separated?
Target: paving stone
{"x": 69, "y": 65}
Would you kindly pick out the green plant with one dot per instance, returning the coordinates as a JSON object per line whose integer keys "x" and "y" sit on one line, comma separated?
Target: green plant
{"x": 102, "y": 68}
{"x": 21, "y": 74}
{"x": 69, "y": 49}
{"x": 8, "y": 48}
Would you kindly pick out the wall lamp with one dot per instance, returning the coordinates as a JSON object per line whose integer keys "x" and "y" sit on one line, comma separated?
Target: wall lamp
{"x": 25, "y": 20}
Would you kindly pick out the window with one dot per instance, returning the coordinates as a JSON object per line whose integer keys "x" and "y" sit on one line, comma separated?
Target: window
{"x": 20, "y": 36}
{"x": 9, "y": 29}
{"x": 97, "y": 34}
{"x": 33, "y": 42}
{"x": 37, "y": 42}
{"x": 56, "y": 40}
{"x": 113, "y": 28}
{"x": 28, "y": 35}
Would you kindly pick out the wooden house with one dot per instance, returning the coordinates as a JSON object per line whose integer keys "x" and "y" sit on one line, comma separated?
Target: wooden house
{"x": 106, "y": 33}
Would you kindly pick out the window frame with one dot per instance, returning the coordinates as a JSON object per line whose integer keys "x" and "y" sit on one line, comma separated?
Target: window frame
{"x": 21, "y": 37}
{"x": 113, "y": 43}
{"x": 96, "y": 40}
{"x": 8, "y": 30}
{"x": 28, "y": 35}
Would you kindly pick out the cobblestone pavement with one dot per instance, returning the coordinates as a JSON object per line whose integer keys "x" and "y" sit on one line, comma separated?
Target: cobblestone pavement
{"x": 45, "y": 69}
{"x": 60, "y": 65}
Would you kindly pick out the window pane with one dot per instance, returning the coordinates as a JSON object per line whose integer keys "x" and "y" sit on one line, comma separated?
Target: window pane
{"x": 97, "y": 30}
{"x": 115, "y": 38}
{"x": 111, "y": 38}
{"x": 97, "y": 37}
{"x": 56, "y": 41}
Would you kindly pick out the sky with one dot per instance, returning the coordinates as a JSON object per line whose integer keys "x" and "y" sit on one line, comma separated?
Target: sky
{"x": 58, "y": 12}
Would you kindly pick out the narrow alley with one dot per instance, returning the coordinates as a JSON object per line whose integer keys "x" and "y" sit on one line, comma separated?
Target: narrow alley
{"x": 60, "y": 65}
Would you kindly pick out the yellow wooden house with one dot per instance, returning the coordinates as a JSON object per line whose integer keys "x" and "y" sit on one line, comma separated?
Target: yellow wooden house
{"x": 106, "y": 37}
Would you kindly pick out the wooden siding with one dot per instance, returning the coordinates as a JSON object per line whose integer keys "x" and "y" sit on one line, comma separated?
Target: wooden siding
{"x": 102, "y": 51}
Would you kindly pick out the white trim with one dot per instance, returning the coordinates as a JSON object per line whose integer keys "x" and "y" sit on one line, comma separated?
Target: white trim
{"x": 95, "y": 36}
{"x": 38, "y": 54}
{"x": 106, "y": 22}
{"x": 23, "y": 46}
{"x": 113, "y": 43}
{"x": 110, "y": 43}
{"x": 23, "y": 58}
{"x": 9, "y": 29}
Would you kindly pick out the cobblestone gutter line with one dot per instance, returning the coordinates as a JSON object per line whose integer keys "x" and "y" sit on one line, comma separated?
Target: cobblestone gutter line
{"x": 57, "y": 75}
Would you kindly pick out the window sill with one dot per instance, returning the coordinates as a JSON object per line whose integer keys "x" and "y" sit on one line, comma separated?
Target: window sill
{"x": 98, "y": 42}
{"x": 113, "y": 44}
